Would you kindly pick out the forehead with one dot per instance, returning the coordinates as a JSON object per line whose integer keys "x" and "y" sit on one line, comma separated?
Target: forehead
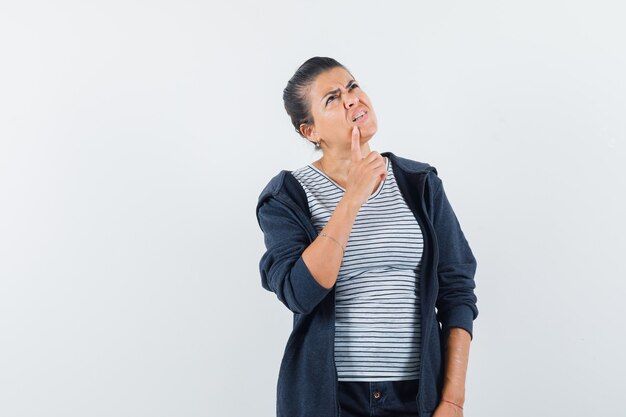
{"x": 329, "y": 80}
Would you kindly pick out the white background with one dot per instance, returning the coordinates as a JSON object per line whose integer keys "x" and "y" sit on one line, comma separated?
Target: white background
{"x": 135, "y": 137}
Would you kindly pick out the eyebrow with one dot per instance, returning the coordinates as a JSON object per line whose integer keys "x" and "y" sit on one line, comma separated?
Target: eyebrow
{"x": 336, "y": 90}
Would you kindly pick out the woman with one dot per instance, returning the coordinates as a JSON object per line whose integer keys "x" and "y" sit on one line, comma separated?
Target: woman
{"x": 366, "y": 251}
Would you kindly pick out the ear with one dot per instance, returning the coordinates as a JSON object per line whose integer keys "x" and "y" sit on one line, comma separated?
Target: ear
{"x": 309, "y": 132}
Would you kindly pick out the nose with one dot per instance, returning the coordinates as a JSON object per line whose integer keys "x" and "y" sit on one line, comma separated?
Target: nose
{"x": 351, "y": 99}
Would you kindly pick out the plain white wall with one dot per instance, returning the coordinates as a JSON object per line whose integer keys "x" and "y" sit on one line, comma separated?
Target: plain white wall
{"x": 135, "y": 138}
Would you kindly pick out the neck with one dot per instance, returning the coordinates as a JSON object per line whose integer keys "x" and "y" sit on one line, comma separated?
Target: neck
{"x": 336, "y": 163}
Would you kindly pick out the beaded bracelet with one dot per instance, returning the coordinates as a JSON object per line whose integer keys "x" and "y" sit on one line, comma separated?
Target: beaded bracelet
{"x": 330, "y": 237}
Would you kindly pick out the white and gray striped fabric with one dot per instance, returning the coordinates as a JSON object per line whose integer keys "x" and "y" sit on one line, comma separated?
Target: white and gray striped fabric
{"x": 377, "y": 327}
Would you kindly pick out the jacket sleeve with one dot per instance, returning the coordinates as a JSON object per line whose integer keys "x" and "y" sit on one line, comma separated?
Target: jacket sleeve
{"x": 456, "y": 301}
{"x": 282, "y": 268}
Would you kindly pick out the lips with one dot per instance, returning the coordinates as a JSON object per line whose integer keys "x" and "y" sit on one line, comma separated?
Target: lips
{"x": 358, "y": 112}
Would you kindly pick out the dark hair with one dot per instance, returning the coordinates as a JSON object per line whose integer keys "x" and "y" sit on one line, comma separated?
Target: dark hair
{"x": 295, "y": 95}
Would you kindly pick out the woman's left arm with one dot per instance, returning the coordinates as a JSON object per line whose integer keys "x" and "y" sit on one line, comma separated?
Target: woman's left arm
{"x": 456, "y": 302}
{"x": 456, "y": 358}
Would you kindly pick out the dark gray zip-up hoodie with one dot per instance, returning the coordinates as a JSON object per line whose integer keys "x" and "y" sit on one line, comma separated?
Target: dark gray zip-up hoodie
{"x": 307, "y": 381}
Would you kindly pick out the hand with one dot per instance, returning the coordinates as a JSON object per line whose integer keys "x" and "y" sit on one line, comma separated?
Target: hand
{"x": 445, "y": 409}
{"x": 363, "y": 173}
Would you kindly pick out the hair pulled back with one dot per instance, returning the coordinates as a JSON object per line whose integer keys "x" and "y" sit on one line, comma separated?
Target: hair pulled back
{"x": 295, "y": 95}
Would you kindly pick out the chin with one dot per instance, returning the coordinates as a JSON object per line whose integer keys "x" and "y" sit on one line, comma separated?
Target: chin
{"x": 369, "y": 132}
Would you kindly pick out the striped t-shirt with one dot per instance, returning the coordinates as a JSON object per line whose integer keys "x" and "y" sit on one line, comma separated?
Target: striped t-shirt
{"x": 377, "y": 326}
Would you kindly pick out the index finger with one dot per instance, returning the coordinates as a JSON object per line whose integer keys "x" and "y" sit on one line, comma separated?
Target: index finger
{"x": 356, "y": 145}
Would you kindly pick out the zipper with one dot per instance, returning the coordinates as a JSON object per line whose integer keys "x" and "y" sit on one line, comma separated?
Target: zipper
{"x": 336, "y": 383}
{"x": 431, "y": 242}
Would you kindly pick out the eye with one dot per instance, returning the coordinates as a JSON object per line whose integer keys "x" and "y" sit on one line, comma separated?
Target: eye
{"x": 352, "y": 86}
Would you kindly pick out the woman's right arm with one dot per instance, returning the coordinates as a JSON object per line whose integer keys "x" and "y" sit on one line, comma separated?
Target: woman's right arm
{"x": 298, "y": 283}
{"x": 323, "y": 257}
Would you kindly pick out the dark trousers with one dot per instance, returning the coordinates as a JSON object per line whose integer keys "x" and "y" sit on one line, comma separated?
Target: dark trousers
{"x": 383, "y": 399}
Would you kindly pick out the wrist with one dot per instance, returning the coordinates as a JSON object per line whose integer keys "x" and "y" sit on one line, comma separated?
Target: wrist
{"x": 453, "y": 403}
{"x": 454, "y": 395}
{"x": 350, "y": 203}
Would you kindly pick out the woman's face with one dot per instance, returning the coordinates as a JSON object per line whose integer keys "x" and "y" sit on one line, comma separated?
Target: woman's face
{"x": 336, "y": 99}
